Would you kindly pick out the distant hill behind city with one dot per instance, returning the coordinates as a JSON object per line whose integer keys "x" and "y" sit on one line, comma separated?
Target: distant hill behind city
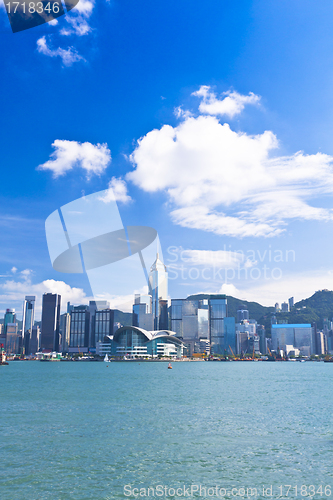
{"x": 313, "y": 309}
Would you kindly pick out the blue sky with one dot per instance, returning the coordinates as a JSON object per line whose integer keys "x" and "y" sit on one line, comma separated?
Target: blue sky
{"x": 221, "y": 96}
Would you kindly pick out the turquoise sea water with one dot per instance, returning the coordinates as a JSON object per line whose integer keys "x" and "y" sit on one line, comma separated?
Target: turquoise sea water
{"x": 86, "y": 430}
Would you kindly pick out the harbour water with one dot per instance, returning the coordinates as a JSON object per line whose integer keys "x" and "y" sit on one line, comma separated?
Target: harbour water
{"x": 85, "y": 431}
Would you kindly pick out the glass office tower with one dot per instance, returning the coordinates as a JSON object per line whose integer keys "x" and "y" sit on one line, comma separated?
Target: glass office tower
{"x": 28, "y": 321}
{"x": 217, "y": 313}
{"x": 158, "y": 288}
{"x": 50, "y": 321}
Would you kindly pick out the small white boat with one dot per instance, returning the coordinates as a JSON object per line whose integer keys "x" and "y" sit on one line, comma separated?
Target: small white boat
{"x": 106, "y": 359}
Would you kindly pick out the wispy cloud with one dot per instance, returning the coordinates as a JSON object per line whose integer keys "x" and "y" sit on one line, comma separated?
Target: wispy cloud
{"x": 94, "y": 159}
{"x": 68, "y": 56}
{"x": 227, "y": 182}
{"x": 78, "y": 18}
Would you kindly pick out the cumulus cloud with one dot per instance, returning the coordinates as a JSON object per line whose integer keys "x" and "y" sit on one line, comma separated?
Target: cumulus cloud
{"x": 68, "y": 56}
{"x": 12, "y": 292}
{"x": 78, "y": 19}
{"x": 94, "y": 159}
{"x": 227, "y": 182}
{"x": 231, "y": 105}
{"x": 117, "y": 190}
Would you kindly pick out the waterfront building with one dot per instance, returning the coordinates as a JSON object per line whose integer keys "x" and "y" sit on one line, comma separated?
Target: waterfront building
{"x": 277, "y": 307}
{"x": 158, "y": 288}
{"x": 300, "y": 336}
{"x": 28, "y": 319}
{"x": 230, "y": 344}
{"x": 291, "y": 303}
{"x": 95, "y": 305}
{"x": 217, "y": 313}
{"x": 190, "y": 322}
{"x": 65, "y": 329}
{"x": 131, "y": 341}
{"x": 13, "y": 344}
{"x": 34, "y": 342}
{"x": 79, "y": 329}
{"x": 262, "y": 339}
{"x": 103, "y": 324}
{"x": 205, "y": 318}
{"x": 50, "y": 321}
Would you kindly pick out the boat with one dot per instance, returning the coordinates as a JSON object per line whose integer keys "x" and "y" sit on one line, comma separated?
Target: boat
{"x": 169, "y": 366}
{"x": 106, "y": 359}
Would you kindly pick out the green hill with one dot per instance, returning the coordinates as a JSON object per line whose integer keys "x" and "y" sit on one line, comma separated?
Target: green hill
{"x": 257, "y": 311}
{"x": 313, "y": 309}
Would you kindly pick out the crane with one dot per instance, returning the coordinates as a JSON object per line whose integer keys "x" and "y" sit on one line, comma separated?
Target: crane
{"x": 232, "y": 352}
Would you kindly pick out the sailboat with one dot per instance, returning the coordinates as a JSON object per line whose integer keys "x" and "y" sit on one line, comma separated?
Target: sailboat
{"x": 106, "y": 359}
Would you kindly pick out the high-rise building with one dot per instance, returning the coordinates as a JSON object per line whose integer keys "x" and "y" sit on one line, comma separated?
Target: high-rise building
{"x": 262, "y": 338}
{"x": 242, "y": 314}
{"x": 94, "y": 305}
{"x": 79, "y": 329}
{"x": 158, "y": 288}
{"x": 50, "y": 321}
{"x": 12, "y": 339}
{"x": 10, "y": 317}
{"x": 142, "y": 312}
{"x": 103, "y": 324}
{"x": 284, "y": 307}
{"x": 65, "y": 328}
{"x": 300, "y": 336}
{"x": 28, "y": 320}
{"x": 34, "y": 343}
{"x": 291, "y": 303}
{"x": 217, "y": 313}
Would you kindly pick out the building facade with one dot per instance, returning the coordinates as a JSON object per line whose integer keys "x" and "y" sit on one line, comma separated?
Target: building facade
{"x": 50, "y": 322}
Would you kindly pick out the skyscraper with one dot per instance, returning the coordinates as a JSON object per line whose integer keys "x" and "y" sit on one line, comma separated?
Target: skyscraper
{"x": 217, "y": 313}
{"x": 10, "y": 317}
{"x": 28, "y": 320}
{"x": 242, "y": 313}
{"x": 50, "y": 321}
{"x": 158, "y": 288}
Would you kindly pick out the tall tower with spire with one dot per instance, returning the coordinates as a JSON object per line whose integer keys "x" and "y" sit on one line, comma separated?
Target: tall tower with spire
{"x": 158, "y": 289}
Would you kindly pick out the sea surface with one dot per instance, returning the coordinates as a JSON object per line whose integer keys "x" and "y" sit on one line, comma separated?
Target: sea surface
{"x": 98, "y": 431}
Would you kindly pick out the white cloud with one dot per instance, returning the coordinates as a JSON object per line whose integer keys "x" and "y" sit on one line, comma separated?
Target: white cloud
{"x": 13, "y": 269}
{"x": 12, "y": 292}
{"x": 230, "y": 183}
{"x": 230, "y": 289}
{"x": 54, "y": 22}
{"x": 68, "y": 56}
{"x": 78, "y": 19}
{"x": 94, "y": 159}
{"x": 117, "y": 190}
{"x": 231, "y": 105}
{"x": 298, "y": 285}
